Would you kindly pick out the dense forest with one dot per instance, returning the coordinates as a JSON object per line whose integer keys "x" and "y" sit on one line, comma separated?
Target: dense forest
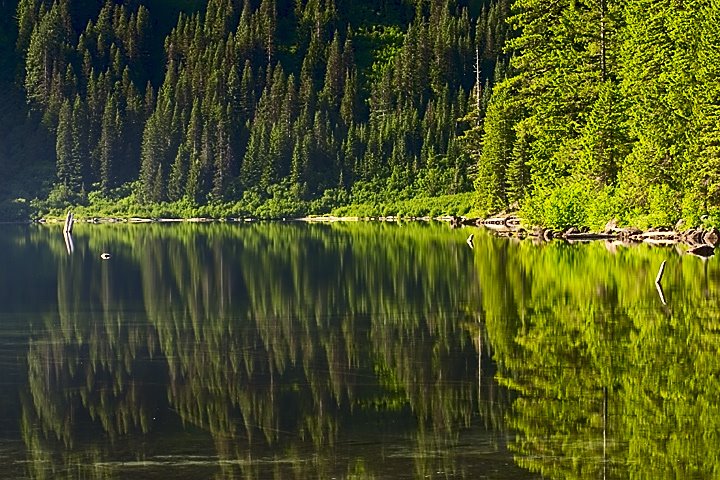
{"x": 608, "y": 109}
{"x": 291, "y": 106}
{"x": 573, "y": 112}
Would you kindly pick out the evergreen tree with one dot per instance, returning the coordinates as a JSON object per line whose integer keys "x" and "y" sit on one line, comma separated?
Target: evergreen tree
{"x": 616, "y": 96}
{"x": 655, "y": 59}
{"x": 66, "y": 173}
{"x": 108, "y": 144}
{"x": 348, "y": 104}
{"x": 80, "y": 145}
{"x": 46, "y": 57}
{"x": 27, "y": 18}
{"x": 267, "y": 15}
{"x": 497, "y": 149}
{"x": 334, "y": 76}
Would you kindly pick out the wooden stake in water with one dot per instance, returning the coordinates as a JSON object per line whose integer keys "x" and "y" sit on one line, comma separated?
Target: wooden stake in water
{"x": 69, "y": 221}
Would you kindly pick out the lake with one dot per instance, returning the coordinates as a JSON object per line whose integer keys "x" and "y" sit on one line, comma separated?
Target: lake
{"x": 352, "y": 350}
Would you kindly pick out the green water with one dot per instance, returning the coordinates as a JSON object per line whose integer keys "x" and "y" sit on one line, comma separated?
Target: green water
{"x": 352, "y": 350}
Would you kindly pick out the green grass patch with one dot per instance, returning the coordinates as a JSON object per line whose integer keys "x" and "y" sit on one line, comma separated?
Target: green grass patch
{"x": 460, "y": 204}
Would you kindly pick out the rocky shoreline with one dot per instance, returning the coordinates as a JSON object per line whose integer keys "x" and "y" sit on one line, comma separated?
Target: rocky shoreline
{"x": 511, "y": 226}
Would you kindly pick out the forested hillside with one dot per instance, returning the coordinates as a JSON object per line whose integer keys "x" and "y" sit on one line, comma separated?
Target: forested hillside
{"x": 274, "y": 106}
{"x": 574, "y": 111}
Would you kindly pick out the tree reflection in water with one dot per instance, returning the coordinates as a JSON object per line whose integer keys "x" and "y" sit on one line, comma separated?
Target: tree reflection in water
{"x": 611, "y": 382}
{"x": 258, "y": 351}
{"x": 353, "y": 350}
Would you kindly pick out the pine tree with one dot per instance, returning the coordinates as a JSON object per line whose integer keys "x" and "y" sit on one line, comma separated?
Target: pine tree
{"x": 498, "y": 139}
{"x": 67, "y": 174}
{"x": 80, "y": 144}
{"x": 27, "y": 18}
{"x": 700, "y": 170}
{"x": 348, "y": 104}
{"x": 267, "y": 15}
{"x": 223, "y": 154}
{"x": 46, "y": 57}
{"x": 299, "y": 165}
{"x": 107, "y": 144}
{"x": 559, "y": 91}
{"x": 332, "y": 91}
{"x": 655, "y": 60}
{"x": 252, "y": 164}
{"x": 177, "y": 179}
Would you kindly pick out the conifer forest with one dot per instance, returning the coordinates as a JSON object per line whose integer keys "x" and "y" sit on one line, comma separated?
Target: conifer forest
{"x": 572, "y": 112}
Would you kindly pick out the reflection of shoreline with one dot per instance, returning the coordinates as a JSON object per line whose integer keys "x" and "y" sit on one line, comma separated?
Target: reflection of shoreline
{"x": 617, "y": 237}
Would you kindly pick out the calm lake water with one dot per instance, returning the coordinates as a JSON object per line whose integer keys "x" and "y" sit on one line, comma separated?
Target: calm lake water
{"x": 358, "y": 351}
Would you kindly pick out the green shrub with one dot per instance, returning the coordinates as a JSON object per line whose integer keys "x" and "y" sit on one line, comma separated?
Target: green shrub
{"x": 562, "y": 206}
{"x": 330, "y": 199}
{"x": 664, "y": 206}
{"x": 602, "y": 207}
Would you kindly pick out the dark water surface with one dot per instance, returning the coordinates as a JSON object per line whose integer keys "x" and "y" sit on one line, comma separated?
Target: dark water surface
{"x": 352, "y": 351}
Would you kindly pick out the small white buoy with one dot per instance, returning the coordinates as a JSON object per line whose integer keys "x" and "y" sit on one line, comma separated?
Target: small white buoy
{"x": 105, "y": 256}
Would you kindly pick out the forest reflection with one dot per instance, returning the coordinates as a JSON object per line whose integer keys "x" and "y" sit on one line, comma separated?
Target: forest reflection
{"x": 265, "y": 344}
{"x": 295, "y": 351}
{"x": 611, "y": 382}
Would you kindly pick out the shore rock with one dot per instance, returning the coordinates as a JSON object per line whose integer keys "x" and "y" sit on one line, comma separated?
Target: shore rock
{"x": 712, "y": 237}
{"x": 611, "y": 226}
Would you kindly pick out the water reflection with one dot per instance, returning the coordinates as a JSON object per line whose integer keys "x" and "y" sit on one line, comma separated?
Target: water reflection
{"x": 353, "y": 351}
{"x": 612, "y": 382}
{"x": 264, "y": 351}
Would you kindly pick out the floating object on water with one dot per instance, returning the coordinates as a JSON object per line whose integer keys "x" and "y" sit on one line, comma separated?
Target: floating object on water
{"x": 703, "y": 251}
{"x": 105, "y": 256}
{"x": 469, "y": 240}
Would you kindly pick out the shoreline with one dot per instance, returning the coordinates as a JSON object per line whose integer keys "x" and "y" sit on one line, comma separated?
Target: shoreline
{"x": 510, "y": 226}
